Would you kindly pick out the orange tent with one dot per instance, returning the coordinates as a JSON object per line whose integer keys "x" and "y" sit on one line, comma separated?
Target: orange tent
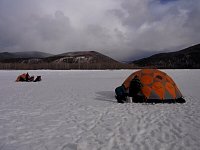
{"x": 26, "y": 78}
{"x": 21, "y": 77}
{"x": 157, "y": 86}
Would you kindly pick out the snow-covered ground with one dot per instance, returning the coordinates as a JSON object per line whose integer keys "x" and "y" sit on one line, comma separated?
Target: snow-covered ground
{"x": 71, "y": 110}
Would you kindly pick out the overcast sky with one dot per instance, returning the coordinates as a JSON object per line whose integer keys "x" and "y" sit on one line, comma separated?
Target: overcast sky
{"x": 118, "y": 28}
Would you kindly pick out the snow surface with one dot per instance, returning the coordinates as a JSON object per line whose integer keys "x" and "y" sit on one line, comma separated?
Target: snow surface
{"x": 71, "y": 110}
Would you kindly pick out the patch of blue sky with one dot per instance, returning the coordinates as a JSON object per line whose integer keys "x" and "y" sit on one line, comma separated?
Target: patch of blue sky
{"x": 167, "y": 1}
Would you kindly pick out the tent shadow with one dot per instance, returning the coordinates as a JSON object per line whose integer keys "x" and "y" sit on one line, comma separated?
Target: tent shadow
{"x": 108, "y": 96}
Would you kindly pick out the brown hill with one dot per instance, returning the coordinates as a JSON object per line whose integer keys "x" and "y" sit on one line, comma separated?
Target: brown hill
{"x": 23, "y": 55}
{"x": 186, "y": 58}
{"x": 70, "y": 60}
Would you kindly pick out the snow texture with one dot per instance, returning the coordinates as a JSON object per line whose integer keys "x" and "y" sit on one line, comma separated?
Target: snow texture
{"x": 76, "y": 110}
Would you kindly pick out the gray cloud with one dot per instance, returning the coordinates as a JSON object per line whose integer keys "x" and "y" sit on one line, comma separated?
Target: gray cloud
{"x": 154, "y": 26}
{"x": 118, "y": 28}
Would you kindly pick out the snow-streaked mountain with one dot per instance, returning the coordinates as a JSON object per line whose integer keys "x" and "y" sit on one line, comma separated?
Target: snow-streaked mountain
{"x": 81, "y": 57}
{"x": 70, "y": 60}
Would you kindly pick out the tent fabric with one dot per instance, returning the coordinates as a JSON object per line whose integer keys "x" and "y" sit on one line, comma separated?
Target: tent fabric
{"x": 21, "y": 77}
{"x": 156, "y": 85}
